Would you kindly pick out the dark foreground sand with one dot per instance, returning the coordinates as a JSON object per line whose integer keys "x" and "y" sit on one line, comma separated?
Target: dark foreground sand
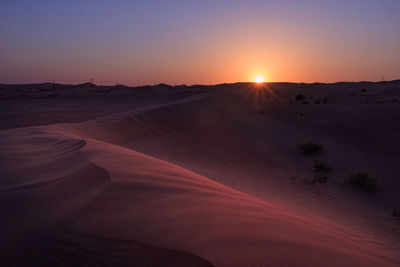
{"x": 198, "y": 176}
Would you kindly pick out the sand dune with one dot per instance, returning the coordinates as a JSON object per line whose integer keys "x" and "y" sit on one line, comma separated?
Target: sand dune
{"x": 204, "y": 177}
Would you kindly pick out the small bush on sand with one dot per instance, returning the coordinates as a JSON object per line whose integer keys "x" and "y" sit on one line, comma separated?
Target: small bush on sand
{"x": 321, "y": 167}
{"x": 322, "y": 179}
{"x": 310, "y": 148}
{"x": 300, "y": 97}
{"x": 362, "y": 180}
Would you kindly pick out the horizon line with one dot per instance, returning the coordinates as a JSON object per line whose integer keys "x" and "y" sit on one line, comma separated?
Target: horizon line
{"x": 178, "y": 85}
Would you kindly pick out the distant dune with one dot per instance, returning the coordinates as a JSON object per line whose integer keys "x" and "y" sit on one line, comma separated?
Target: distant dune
{"x": 199, "y": 175}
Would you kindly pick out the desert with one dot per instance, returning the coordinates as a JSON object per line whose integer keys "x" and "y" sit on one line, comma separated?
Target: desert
{"x": 199, "y": 175}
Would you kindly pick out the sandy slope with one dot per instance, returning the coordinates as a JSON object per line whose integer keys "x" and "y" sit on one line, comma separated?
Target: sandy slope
{"x": 82, "y": 194}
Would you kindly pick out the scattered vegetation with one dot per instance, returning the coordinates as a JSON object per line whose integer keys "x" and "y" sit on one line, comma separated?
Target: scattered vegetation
{"x": 322, "y": 179}
{"x": 362, "y": 180}
{"x": 321, "y": 167}
{"x": 363, "y": 90}
{"x": 317, "y": 102}
{"x": 305, "y": 102}
{"x": 300, "y": 97}
{"x": 310, "y": 148}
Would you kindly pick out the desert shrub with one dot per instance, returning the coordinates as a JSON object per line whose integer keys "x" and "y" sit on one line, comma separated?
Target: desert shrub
{"x": 310, "y": 148}
{"x": 308, "y": 180}
{"x": 300, "y": 97}
{"x": 321, "y": 167}
{"x": 363, "y": 180}
{"x": 322, "y": 179}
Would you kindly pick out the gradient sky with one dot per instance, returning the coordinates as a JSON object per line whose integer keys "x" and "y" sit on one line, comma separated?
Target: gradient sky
{"x": 198, "y": 42}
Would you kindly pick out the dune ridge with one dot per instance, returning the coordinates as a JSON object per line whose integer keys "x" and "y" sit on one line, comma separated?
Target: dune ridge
{"x": 167, "y": 184}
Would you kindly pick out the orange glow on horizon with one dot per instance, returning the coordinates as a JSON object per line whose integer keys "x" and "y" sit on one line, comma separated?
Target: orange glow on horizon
{"x": 259, "y": 79}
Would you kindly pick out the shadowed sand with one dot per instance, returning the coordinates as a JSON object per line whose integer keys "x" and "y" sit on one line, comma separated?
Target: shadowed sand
{"x": 197, "y": 176}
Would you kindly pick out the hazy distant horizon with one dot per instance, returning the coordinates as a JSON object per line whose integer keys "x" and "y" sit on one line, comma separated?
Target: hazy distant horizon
{"x": 237, "y": 82}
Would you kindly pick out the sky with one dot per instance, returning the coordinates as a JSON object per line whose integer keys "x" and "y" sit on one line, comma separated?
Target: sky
{"x": 198, "y": 42}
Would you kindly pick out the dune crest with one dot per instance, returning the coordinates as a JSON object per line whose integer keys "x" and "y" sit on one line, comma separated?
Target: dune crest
{"x": 160, "y": 204}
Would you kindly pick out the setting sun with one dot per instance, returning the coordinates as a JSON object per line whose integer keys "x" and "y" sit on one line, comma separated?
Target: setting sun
{"x": 259, "y": 79}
